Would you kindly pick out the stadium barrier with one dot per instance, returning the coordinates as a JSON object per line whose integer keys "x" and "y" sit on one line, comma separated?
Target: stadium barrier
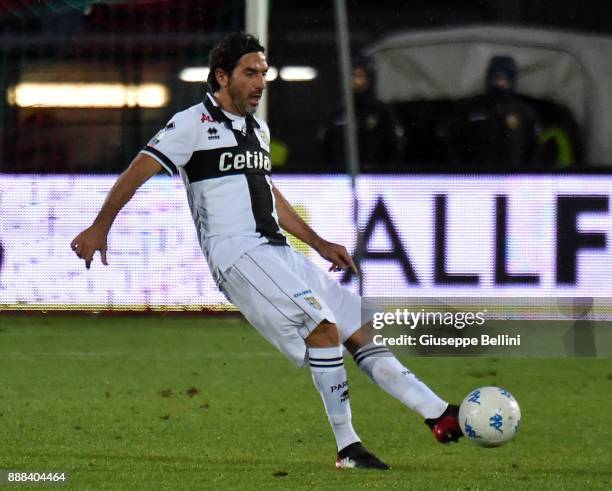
{"x": 423, "y": 236}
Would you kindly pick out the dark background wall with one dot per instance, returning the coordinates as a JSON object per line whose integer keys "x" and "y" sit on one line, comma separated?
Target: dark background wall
{"x": 305, "y": 33}
{"x": 152, "y": 40}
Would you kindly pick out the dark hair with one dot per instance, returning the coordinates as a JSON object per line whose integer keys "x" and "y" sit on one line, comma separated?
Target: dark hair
{"x": 227, "y": 53}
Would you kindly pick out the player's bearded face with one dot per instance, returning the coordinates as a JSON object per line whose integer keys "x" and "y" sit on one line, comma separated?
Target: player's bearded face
{"x": 247, "y": 82}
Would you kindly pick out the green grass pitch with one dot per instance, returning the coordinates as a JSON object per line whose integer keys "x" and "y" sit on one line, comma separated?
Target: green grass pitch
{"x": 200, "y": 403}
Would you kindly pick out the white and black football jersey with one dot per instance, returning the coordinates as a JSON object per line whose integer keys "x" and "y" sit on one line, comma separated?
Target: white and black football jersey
{"x": 224, "y": 162}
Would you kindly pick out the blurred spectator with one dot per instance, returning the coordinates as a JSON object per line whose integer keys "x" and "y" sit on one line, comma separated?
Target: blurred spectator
{"x": 378, "y": 131}
{"x": 497, "y": 129}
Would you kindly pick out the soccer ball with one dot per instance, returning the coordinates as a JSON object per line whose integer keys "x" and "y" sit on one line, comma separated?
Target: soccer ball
{"x": 489, "y": 416}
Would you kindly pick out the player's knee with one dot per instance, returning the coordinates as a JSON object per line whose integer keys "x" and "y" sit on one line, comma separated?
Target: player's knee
{"x": 324, "y": 335}
{"x": 360, "y": 338}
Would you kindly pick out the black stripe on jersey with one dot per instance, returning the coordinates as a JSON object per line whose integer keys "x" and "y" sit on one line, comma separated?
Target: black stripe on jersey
{"x": 219, "y": 162}
{"x": 162, "y": 157}
{"x": 263, "y": 206}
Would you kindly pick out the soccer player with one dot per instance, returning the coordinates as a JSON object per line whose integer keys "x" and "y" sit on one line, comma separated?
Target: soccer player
{"x": 221, "y": 152}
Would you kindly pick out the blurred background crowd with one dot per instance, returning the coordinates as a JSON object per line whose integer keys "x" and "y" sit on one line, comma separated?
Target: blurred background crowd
{"x": 144, "y": 60}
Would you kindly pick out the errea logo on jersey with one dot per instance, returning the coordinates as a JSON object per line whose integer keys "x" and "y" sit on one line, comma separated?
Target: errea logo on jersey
{"x": 213, "y": 133}
{"x": 246, "y": 160}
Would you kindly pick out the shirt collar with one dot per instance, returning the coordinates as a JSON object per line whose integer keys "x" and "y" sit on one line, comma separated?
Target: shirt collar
{"x": 215, "y": 111}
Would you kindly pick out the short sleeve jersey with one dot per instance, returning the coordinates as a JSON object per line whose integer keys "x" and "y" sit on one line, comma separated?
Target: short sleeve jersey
{"x": 224, "y": 162}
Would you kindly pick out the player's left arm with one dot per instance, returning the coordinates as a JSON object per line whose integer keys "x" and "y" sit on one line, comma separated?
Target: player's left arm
{"x": 290, "y": 221}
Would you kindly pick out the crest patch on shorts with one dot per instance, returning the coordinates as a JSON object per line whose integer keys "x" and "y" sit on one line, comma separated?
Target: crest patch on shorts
{"x": 313, "y": 302}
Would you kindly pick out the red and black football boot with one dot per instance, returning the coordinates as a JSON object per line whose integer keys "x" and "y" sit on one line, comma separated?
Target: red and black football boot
{"x": 446, "y": 427}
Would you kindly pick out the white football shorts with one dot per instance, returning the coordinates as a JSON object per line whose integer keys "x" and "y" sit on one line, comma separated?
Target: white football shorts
{"x": 285, "y": 296}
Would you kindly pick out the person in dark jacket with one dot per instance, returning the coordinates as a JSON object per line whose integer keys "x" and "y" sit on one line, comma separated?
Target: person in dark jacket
{"x": 497, "y": 129}
{"x": 378, "y": 131}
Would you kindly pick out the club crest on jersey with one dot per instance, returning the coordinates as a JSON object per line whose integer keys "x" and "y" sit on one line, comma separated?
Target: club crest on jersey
{"x": 263, "y": 136}
{"x": 313, "y": 302}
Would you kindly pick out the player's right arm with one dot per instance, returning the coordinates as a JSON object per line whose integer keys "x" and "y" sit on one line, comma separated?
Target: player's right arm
{"x": 94, "y": 238}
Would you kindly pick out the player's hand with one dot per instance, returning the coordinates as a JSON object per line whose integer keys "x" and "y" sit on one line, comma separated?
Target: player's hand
{"x": 336, "y": 254}
{"x": 88, "y": 242}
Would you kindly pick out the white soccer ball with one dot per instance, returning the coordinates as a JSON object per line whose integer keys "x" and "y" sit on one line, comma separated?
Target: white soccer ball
{"x": 489, "y": 416}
